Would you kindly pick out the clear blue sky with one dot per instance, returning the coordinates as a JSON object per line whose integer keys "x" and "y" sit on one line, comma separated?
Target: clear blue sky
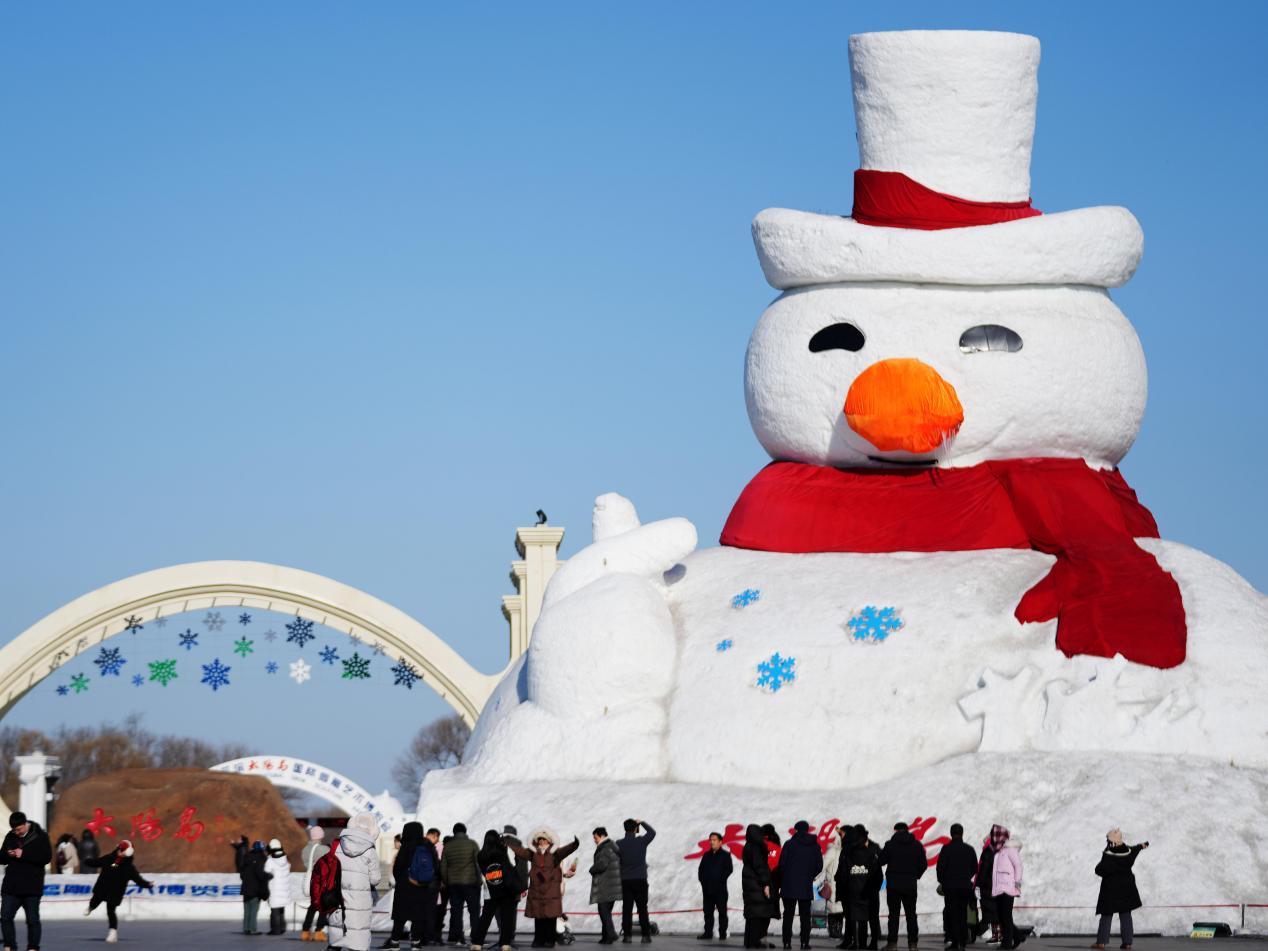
{"x": 278, "y": 279}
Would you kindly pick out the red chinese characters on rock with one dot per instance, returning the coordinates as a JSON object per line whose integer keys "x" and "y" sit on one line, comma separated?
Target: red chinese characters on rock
{"x": 190, "y": 828}
{"x": 100, "y": 823}
{"x": 825, "y": 833}
{"x": 145, "y": 825}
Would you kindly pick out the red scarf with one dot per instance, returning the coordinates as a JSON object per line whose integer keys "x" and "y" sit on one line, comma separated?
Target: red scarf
{"x": 1109, "y": 595}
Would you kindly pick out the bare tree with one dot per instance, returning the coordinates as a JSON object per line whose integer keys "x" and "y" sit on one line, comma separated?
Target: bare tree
{"x": 88, "y": 750}
{"x": 438, "y": 745}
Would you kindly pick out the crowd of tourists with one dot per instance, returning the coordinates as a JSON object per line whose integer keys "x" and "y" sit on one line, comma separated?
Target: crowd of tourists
{"x": 481, "y": 885}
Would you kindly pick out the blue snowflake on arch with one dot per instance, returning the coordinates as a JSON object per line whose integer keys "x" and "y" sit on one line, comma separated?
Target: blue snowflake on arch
{"x": 405, "y": 674}
{"x": 776, "y": 672}
{"x": 873, "y": 625}
{"x": 329, "y": 655}
{"x": 189, "y": 640}
{"x": 746, "y": 597}
{"x": 109, "y": 661}
{"x": 244, "y": 618}
{"x": 300, "y": 631}
{"x": 132, "y": 624}
{"x": 62, "y": 690}
{"x": 270, "y": 667}
{"x": 216, "y": 674}
{"x": 138, "y": 680}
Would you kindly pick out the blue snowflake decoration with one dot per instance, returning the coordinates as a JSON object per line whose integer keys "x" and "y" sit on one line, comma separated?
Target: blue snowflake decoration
{"x": 161, "y": 621}
{"x": 214, "y": 621}
{"x": 216, "y": 674}
{"x": 776, "y": 673}
{"x": 405, "y": 675}
{"x": 724, "y": 645}
{"x": 746, "y": 597}
{"x": 189, "y": 640}
{"x": 138, "y": 680}
{"x": 244, "y": 619}
{"x": 63, "y": 690}
{"x": 132, "y": 624}
{"x": 109, "y": 661}
{"x": 270, "y": 667}
{"x": 300, "y": 631}
{"x": 329, "y": 655}
{"x": 874, "y": 624}
{"x": 270, "y": 636}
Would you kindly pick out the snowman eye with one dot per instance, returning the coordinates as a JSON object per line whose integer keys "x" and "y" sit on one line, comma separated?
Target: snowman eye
{"x": 989, "y": 337}
{"x": 837, "y": 337}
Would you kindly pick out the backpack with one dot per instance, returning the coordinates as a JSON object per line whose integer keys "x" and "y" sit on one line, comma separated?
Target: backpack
{"x": 422, "y": 867}
{"x": 325, "y": 891}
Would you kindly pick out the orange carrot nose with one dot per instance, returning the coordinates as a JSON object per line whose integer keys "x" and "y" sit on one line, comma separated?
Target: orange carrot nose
{"x": 903, "y": 405}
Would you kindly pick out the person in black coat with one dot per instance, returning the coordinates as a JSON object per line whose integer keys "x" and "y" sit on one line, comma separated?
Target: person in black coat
{"x": 24, "y": 854}
{"x": 715, "y": 868}
{"x": 497, "y": 869}
{"x": 409, "y": 907}
{"x": 957, "y": 865}
{"x": 88, "y": 847}
{"x": 875, "y": 881}
{"x": 756, "y": 885}
{"x": 1119, "y": 895}
{"x": 800, "y": 862}
{"x": 905, "y": 862}
{"x": 255, "y": 882}
{"x": 859, "y": 865}
{"x": 985, "y": 873}
{"x": 841, "y": 886}
{"x": 117, "y": 869}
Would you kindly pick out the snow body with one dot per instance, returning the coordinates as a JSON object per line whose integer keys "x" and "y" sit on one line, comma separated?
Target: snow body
{"x": 625, "y": 705}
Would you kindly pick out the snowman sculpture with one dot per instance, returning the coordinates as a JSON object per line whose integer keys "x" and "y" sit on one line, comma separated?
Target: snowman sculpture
{"x": 941, "y": 577}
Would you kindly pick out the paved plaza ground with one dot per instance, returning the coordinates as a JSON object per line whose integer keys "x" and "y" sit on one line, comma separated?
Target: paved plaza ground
{"x": 220, "y": 934}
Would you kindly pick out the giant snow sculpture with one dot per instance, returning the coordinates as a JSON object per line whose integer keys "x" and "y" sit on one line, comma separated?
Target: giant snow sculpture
{"x": 959, "y": 610}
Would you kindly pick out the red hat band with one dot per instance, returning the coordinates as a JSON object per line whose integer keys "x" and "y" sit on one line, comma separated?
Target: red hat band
{"x": 893, "y": 200}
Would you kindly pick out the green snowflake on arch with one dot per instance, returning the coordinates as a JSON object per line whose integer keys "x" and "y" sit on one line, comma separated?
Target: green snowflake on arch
{"x": 356, "y": 667}
{"x": 79, "y": 683}
{"x": 243, "y": 647}
{"x": 163, "y": 671}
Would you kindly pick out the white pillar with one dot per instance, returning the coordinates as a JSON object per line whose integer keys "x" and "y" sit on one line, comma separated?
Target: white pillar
{"x": 35, "y": 771}
{"x": 538, "y": 548}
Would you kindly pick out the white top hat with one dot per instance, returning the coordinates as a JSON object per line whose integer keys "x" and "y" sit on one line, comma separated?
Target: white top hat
{"x": 954, "y": 112}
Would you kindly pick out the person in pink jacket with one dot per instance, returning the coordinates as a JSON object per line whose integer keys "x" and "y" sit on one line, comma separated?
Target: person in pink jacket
{"x": 1006, "y": 884}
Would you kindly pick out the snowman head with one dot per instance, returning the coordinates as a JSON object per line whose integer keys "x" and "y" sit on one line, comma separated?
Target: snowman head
{"x": 946, "y": 322}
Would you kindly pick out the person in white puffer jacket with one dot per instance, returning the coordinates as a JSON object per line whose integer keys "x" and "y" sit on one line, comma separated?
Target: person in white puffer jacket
{"x": 278, "y": 866}
{"x": 359, "y": 871}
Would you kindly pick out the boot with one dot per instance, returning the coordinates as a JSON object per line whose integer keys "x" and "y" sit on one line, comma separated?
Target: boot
{"x": 112, "y": 936}
{"x": 305, "y": 936}
{"x": 319, "y": 936}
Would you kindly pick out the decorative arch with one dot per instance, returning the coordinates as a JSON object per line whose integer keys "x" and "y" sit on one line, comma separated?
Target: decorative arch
{"x": 88, "y": 620}
{"x": 321, "y": 781}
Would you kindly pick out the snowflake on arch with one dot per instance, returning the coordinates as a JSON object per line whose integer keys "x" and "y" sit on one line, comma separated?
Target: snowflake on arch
{"x": 405, "y": 674}
{"x": 189, "y": 640}
{"x": 873, "y": 625}
{"x": 213, "y": 621}
{"x": 301, "y": 671}
{"x": 79, "y": 683}
{"x": 62, "y": 690}
{"x": 356, "y": 667}
{"x": 243, "y": 647}
{"x": 270, "y": 667}
{"x": 329, "y": 655}
{"x": 163, "y": 671}
{"x": 776, "y": 672}
{"x": 216, "y": 674}
{"x": 300, "y": 631}
{"x": 132, "y": 624}
{"x": 138, "y": 680}
{"x": 244, "y": 618}
{"x": 109, "y": 661}
{"x": 270, "y": 635}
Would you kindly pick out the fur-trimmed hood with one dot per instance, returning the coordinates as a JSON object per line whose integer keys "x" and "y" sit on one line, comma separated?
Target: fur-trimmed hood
{"x": 543, "y": 832}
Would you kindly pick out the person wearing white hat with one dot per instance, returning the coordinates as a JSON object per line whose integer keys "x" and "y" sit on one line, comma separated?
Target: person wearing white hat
{"x": 117, "y": 869}
{"x": 278, "y": 868}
